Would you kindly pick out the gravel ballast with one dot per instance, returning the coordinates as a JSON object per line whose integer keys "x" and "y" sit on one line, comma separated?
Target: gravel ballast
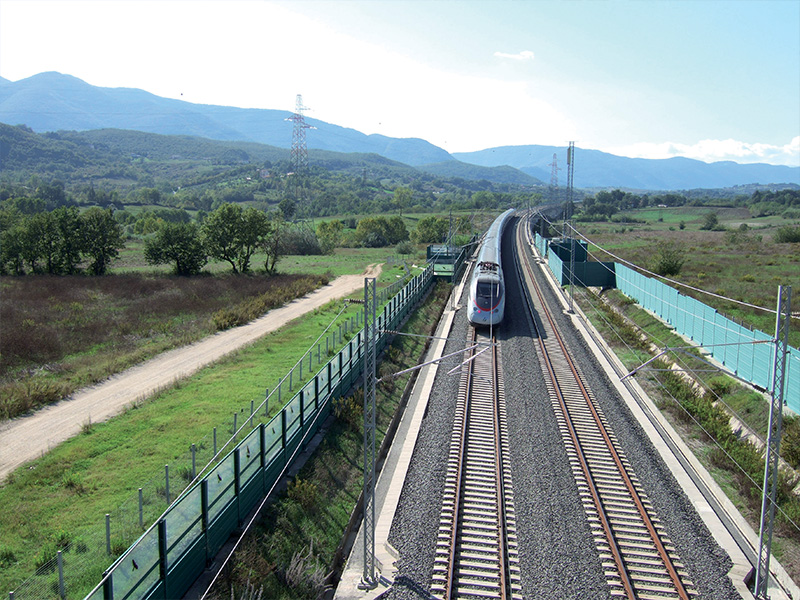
{"x": 557, "y": 553}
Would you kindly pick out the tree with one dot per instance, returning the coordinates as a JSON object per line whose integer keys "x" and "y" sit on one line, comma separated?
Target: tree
{"x": 233, "y": 234}
{"x": 11, "y": 246}
{"x": 179, "y": 243}
{"x": 220, "y": 233}
{"x": 377, "y": 232}
{"x": 102, "y": 238}
{"x": 403, "y": 197}
{"x": 272, "y": 245}
{"x": 329, "y": 233}
{"x": 710, "y": 221}
{"x": 70, "y": 238}
{"x": 288, "y": 207}
{"x": 254, "y": 229}
{"x": 431, "y": 230}
{"x": 396, "y": 230}
{"x": 40, "y": 242}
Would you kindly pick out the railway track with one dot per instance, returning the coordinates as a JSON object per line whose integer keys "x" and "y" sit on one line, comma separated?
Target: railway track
{"x": 476, "y": 554}
{"x": 638, "y": 559}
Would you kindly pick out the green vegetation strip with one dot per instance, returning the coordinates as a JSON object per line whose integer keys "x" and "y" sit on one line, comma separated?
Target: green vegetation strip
{"x": 59, "y": 501}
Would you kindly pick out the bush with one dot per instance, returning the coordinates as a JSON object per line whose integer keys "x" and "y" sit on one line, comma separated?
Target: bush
{"x": 405, "y": 248}
{"x": 7, "y": 557}
{"x": 304, "y": 492}
{"x": 350, "y": 409}
{"x": 669, "y": 259}
{"x": 787, "y": 235}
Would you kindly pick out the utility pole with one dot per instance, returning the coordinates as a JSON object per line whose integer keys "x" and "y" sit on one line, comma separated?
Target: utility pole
{"x": 773, "y": 442}
{"x": 570, "y": 172}
{"x": 368, "y": 579}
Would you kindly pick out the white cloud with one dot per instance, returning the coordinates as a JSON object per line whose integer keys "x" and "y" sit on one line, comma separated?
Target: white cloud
{"x": 717, "y": 150}
{"x": 524, "y": 55}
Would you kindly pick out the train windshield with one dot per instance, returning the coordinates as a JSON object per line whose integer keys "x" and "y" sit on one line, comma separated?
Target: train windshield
{"x": 487, "y": 294}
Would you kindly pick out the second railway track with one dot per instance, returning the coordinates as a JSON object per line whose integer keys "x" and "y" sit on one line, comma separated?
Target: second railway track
{"x": 638, "y": 559}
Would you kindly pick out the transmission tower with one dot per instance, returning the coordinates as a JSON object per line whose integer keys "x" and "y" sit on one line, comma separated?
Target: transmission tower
{"x": 299, "y": 150}
{"x": 570, "y": 169}
{"x": 554, "y": 178}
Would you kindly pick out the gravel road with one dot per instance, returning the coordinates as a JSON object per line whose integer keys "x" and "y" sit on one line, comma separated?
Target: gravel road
{"x": 26, "y": 438}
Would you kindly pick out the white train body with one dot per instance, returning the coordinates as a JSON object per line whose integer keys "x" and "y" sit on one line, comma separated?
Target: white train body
{"x": 487, "y": 295}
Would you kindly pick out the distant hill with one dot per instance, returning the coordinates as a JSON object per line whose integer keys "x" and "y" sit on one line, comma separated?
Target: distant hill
{"x": 55, "y": 102}
{"x": 500, "y": 174}
{"x": 119, "y": 158}
{"x": 52, "y": 101}
{"x": 596, "y": 169}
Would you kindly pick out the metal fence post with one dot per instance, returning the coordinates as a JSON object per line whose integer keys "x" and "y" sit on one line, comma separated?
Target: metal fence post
{"x": 237, "y": 483}
{"x": 108, "y": 534}
{"x": 166, "y": 479}
{"x": 235, "y": 415}
{"x": 61, "y": 589}
{"x": 204, "y": 512}
{"x": 162, "y": 555}
{"x": 262, "y": 440}
{"x": 266, "y": 403}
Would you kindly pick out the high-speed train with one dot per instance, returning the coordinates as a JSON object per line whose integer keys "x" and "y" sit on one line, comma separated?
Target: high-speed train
{"x": 487, "y": 298}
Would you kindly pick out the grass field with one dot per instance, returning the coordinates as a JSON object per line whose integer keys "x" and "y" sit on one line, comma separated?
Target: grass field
{"x": 62, "y": 333}
{"x": 742, "y": 264}
{"x": 62, "y": 497}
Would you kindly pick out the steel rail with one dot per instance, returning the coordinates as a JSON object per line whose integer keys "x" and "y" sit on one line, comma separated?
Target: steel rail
{"x": 498, "y": 471}
{"x": 476, "y": 556}
{"x": 460, "y": 472}
{"x": 618, "y": 557}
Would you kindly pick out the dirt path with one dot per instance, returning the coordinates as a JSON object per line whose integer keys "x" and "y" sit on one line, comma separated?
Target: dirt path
{"x": 26, "y": 438}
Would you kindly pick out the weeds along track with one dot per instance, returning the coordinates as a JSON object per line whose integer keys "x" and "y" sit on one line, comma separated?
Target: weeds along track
{"x": 638, "y": 560}
{"x": 476, "y": 551}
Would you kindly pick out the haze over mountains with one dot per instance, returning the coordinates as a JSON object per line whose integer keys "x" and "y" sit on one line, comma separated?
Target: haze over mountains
{"x": 53, "y": 101}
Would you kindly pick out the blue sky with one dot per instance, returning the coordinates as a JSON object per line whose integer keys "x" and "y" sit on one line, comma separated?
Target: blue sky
{"x": 707, "y": 80}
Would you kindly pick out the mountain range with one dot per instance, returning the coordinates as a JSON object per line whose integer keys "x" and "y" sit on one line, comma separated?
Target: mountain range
{"x": 54, "y": 101}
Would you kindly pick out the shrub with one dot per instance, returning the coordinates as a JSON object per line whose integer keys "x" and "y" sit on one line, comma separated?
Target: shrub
{"x": 304, "y": 492}
{"x": 405, "y": 248}
{"x": 7, "y": 557}
{"x": 669, "y": 259}
{"x": 350, "y": 409}
{"x": 787, "y": 235}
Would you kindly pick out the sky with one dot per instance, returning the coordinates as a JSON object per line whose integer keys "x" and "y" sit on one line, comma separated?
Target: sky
{"x": 653, "y": 79}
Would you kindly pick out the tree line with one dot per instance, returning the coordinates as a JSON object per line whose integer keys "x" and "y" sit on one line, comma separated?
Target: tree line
{"x": 67, "y": 241}
{"x": 605, "y": 204}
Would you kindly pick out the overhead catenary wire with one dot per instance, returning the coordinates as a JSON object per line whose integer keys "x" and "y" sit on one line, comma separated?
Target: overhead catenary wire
{"x": 678, "y": 404}
{"x": 667, "y": 279}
